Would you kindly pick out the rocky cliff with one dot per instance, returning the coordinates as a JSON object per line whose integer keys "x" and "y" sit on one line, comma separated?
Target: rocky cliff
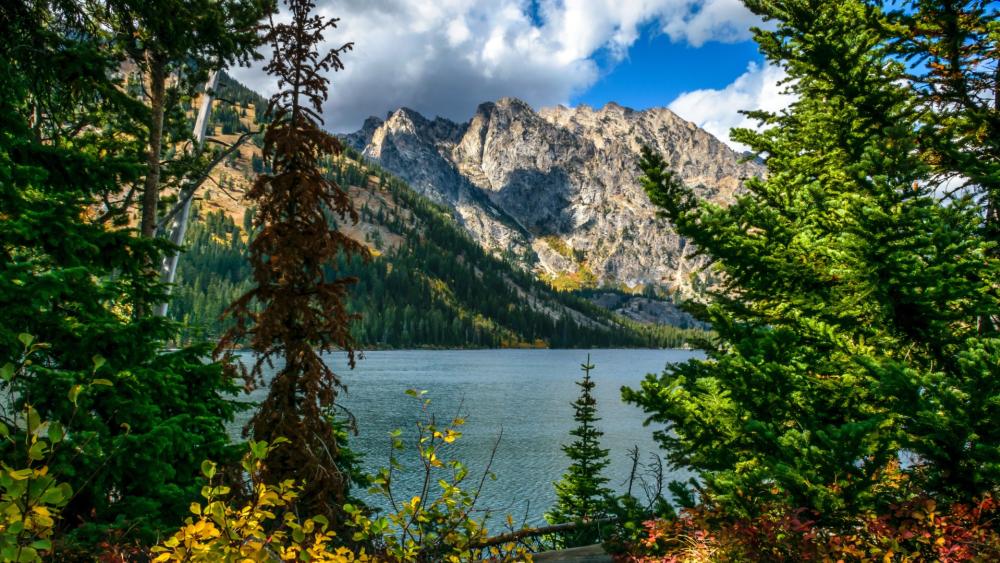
{"x": 558, "y": 188}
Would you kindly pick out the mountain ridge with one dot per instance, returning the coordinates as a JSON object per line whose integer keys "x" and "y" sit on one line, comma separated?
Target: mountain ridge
{"x": 428, "y": 283}
{"x": 558, "y": 187}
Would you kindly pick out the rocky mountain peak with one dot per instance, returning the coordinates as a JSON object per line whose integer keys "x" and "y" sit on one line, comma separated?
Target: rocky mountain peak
{"x": 370, "y": 126}
{"x": 513, "y": 104}
{"x": 559, "y": 187}
{"x": 405, "y": 119}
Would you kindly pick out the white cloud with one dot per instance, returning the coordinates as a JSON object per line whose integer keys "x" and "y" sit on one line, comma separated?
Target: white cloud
{"x": 717, "y": 111}
{"x": 444, "y": 57}
{"x": 712, "y": 20}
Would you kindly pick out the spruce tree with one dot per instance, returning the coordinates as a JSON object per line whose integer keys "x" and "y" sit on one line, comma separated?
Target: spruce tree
{"x": 953, "y": 51}
{"x": 581, "y": 495}
{"x": 176, "y": 43}
{"x": 297, "y": 309}
{"x": 134, "y": 446}
{"x": 848, "y": 313}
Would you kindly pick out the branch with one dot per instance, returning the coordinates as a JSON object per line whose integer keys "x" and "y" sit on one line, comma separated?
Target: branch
{"x": 544, "y": 530}
{"x": 111, "y": 211}
{"x": 188, "y": 191}
{"x": 218, "y": 142}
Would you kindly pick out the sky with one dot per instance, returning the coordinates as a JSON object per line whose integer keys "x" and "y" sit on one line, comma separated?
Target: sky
{"x": 445, "y": 57}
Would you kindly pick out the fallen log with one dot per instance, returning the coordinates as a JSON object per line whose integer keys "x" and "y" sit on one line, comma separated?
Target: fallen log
{"x": 544, "y": 530}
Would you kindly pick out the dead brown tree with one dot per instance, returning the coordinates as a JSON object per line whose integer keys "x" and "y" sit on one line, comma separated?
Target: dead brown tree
{"x": 297, "y": 309}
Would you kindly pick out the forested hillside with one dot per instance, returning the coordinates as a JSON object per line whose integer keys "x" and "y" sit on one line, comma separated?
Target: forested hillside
{"x": 427, "y": 282}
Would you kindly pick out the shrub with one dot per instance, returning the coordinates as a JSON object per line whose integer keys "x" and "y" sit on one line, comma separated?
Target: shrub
{"x": 263, "y": 529}
{"x": 917, "y": 530}
{"x": 30, "y": 496}
{"x": 426, "y": 527}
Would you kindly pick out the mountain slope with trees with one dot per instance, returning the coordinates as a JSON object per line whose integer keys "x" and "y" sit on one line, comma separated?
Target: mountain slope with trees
{"x": 428, "y": 283}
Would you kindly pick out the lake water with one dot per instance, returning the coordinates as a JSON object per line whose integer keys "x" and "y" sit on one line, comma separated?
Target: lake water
{"x": 526, "y": 393}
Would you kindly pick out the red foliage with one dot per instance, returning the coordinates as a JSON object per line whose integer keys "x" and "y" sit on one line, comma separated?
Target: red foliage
{"x": 916, "y": 530}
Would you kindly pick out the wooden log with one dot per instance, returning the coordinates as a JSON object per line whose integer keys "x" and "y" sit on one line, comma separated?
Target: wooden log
{"x": 544, "y": 530}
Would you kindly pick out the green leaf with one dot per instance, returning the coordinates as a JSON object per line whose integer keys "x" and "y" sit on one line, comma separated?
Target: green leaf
{"x": 26, "y": 339}
{"x": 37, "y": 451}
{"x": 53, "y": 496}
{"x": 105, "y": 382}
{"x": 33, "y": 419}
{"x": 56, "y": 432}
{"x": 218, "y": 512}
{"x": 74, "y": 393}
{"x": 208, "y": 469}
{"x": 258, "y": 450}
{"x": 99, "y": 361}
{"x": 7, "y": 371}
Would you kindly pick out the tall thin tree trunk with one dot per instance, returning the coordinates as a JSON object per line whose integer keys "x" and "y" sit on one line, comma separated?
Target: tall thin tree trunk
{"x": 993, "y": 190}
{"x": 178, "y": 229}
{"x": 151, "y": 188}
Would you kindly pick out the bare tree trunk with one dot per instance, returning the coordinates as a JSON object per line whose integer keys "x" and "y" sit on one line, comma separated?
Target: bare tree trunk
{"x": 151, "y": 188}
{"x": 178, "y": 228}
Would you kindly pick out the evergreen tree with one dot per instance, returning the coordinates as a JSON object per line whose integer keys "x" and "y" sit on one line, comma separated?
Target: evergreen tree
{"x": 848, "y": 315}
{"x": 71, "y": 280}
{"x": 953, "y": 48}
{"x": 296, "y": 310}
{"x": 183, "y": 39}
{"x": 581, "y": 495}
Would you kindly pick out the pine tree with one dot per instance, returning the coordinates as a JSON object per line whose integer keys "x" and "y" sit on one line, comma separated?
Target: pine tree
{"x": 70, "y": 279}
{"x": 297, "y": 311}
{"x": 183, "y": 39}
{"x": 954, "y": 52}
{"x": 848, "y": 314}
{"x": 581, "y": 495}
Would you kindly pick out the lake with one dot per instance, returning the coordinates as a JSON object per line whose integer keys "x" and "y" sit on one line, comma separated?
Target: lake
{"x": 526, "y": 393}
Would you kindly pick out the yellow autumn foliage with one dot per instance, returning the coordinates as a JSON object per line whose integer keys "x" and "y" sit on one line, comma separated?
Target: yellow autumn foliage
{"x": 218, "y": 532}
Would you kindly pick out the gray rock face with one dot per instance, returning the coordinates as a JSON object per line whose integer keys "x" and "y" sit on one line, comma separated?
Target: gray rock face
{"x": 646, "y": 310}
{"x": 559, "y": 187}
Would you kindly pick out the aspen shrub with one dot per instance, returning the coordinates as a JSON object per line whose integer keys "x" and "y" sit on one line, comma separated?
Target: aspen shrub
{"x": 429, "y": 526}
{"x": 266, "y": 528}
